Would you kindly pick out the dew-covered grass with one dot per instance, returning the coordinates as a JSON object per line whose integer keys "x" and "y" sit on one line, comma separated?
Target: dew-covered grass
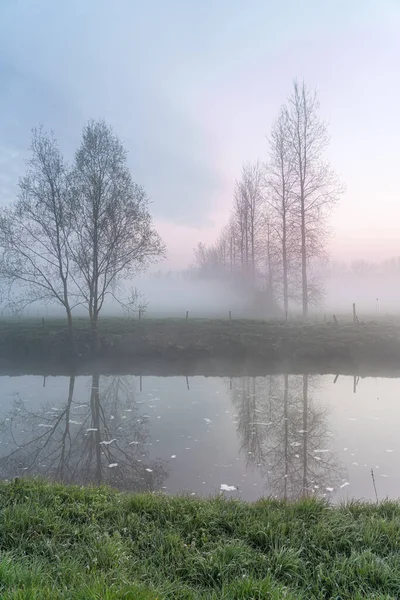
{"x": 96, "y": 543}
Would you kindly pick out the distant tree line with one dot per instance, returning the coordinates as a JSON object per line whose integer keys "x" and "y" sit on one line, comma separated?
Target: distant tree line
{"x": 76, "y": 231}
{"x": 362, "y": 267}
{"x": 278, "y": 228}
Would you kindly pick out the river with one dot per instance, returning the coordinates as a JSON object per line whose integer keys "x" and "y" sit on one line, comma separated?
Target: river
{"x": 285, "y": 436}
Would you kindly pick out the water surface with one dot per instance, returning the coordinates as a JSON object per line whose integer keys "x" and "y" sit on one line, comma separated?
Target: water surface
{"x": 280, "y": 435}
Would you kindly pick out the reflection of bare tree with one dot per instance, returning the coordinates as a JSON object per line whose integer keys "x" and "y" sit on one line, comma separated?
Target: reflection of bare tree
{"x": 254, "y": 400}
{"x": 284, "y": 433}
{"x": 102, "y": 440}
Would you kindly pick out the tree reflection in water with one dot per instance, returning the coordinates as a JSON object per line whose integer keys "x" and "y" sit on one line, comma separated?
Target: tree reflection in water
{"x": 102, "y": 440}
{"x": 283, "y": 433}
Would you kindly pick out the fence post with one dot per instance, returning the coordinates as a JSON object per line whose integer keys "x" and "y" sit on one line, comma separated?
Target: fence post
{"x": 354, "y": 313}
{"x": 187, "y": 316}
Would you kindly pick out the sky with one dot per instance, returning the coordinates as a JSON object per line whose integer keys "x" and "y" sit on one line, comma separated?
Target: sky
{"x": 192, "y": 88}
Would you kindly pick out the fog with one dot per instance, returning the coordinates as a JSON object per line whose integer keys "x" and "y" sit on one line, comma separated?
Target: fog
{"x": 197, "y": 115}
{"x": 375, "y": 294}
{"x": 170, "y": 294}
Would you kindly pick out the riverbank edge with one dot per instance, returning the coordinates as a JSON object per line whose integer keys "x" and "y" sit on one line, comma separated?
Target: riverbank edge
{"x": 71, "y": 542}
{"x": 202, "y": 346}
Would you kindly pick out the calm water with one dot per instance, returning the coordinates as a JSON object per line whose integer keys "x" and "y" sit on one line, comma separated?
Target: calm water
{"x": 281, "y": 435}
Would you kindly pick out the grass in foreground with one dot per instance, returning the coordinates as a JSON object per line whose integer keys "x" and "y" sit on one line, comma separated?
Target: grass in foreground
{"x": 81, "y": 543}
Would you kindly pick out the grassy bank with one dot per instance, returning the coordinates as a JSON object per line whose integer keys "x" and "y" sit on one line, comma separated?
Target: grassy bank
{"x": 264, "y": 344}
{"x": 68, "y": 542}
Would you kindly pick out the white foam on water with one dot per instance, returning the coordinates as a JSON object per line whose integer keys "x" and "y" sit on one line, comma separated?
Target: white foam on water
{"x": 227, "y": 488}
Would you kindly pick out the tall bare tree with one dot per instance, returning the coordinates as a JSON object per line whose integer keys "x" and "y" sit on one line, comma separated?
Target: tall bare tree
{"x": 114, "y": 237}
{"x": 316, "y": 188}
{"x": 248, "y": 217}
{"x": 279, "y": 192}
{"x": 36, "y": 230}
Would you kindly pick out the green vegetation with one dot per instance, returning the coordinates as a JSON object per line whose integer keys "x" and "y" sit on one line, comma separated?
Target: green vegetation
{"x": 96, "y": 543}
{"x": 264, "y": 345}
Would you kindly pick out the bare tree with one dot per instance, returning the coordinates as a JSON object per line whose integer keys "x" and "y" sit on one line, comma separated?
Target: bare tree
{"x": 315, "y": 187}
{"x": 114, "y": 238}
{"x": 279, "y": 187}
{"x": 35, "y": 231}
{"x": 247, "y": 220}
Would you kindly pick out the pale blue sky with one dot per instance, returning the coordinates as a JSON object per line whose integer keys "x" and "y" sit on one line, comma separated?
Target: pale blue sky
{"x": 193, "y": 87}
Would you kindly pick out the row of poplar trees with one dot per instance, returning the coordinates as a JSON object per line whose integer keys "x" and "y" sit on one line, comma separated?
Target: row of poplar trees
{"x": 279, "y": 223}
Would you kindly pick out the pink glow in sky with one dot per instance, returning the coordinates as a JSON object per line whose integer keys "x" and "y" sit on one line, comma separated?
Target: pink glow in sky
{"x": 193, "y": 89}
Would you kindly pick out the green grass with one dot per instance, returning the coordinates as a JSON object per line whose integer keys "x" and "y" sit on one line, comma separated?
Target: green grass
{"x": 372, "y": 347}
{"x": 81, "y": 543}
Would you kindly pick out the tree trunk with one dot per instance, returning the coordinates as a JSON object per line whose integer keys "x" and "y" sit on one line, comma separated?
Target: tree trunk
{"x": 253, "y": 258}
{"x": 61, "y": 468}
{"x": 269, "y": 259}
{"x": 95, "y": 409}
{"x": 286, "y": 425}
{"x": 71, "y": 335}
{"x": 305, "y": 434}
{"x": 304, "y": 284}
{"x": 285, "y": 269}
{"x": 95, "y": 332}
